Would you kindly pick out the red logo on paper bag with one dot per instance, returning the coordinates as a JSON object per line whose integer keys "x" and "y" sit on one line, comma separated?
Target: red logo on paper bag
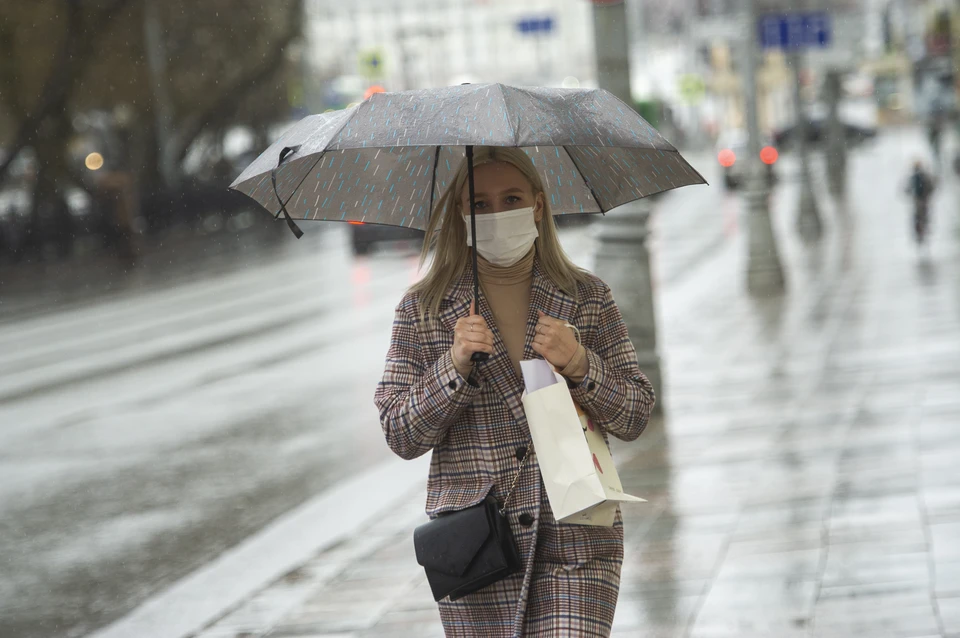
{"x": 596, "y": 464}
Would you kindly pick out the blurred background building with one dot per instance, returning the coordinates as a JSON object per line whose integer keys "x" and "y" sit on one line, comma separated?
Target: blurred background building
{"x": 424, "y": 43}
{"x": 896, "y": 55}
{"x": 193, "y": 105}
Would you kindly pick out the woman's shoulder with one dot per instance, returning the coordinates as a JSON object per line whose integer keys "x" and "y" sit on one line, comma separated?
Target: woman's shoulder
{"x": 411, "y": 306}
{"x": 410, "y": 303}
{"x": 592, "y": 288}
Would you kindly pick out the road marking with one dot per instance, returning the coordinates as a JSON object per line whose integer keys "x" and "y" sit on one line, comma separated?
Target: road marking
{"x": 208, "y": 593}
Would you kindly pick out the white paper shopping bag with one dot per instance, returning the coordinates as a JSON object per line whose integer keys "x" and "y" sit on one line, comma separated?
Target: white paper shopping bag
{"x": 581, "y": 480}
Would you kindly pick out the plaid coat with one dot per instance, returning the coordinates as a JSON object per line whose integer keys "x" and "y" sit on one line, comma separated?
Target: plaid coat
{"x": 477, "y": 431}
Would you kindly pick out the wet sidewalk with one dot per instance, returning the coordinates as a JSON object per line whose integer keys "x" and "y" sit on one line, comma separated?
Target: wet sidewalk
{"x": 804, "y": 479}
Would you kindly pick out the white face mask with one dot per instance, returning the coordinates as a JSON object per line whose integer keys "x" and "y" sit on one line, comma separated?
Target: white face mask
{"x": 504, "y": 238}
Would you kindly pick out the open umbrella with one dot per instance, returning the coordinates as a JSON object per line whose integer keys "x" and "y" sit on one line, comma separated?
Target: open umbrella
{"x": 387, "y": 159}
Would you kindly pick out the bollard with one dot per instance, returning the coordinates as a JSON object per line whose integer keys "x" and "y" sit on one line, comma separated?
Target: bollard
{"x": 836, "y": 137}
{"x": 764, "y": 270}
{"x": 622, "y": 259}
{"x": 623, "y": 262}
{"x": 809, "y": 223}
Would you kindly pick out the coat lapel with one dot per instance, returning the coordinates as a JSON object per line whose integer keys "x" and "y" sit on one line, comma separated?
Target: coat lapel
{"x": 544, "y": 295}
{"x": 497, "y": 370}
{"x": 456, "y": 303}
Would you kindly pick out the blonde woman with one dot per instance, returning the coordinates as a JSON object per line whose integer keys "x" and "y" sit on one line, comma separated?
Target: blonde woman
{"x": 432, "y": 398}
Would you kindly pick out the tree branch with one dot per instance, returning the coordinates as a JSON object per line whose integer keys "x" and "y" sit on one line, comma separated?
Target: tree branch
{"x": 230, "y": 98}
{"x": 10, "y": 93}
{"x": 70, "y": 57}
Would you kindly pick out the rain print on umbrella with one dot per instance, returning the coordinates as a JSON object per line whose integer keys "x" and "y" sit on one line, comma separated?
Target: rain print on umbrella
{"x": 389, "y": 158}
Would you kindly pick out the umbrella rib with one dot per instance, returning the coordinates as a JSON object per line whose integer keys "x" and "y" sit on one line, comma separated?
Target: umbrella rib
{"x": 585, "y": 180}
{"x": 322, "y": 153}
{"x": 302, "y": 179}
{"x": 433, "y": 182}
{"x": 516, "y": 130}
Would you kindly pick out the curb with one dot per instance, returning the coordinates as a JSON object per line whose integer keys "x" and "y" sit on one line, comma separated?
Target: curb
{"x": 210, "y": 592}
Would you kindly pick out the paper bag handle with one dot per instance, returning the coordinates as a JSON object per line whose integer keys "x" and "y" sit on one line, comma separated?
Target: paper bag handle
{"x": 576, "y": 331}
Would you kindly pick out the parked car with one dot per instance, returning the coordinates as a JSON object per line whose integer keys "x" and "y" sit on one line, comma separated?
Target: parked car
{"x": 56, "y": 222}
{"x": 855, "y": 134}
{"x": 364, "y": 236}
{"x": 731, "y": 151}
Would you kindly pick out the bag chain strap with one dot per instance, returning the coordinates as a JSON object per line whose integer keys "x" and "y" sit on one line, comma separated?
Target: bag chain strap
{"x": 516, "y": 477}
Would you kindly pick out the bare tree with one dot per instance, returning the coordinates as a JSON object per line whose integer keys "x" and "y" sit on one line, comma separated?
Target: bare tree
{"x": 218, "y": 62}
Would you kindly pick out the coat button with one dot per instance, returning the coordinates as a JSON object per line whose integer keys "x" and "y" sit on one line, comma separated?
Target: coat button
{"x": 521, "y": 452}
{"x": 452, "y": 385}
{"x": 591, "y": 386}
{"x": 525, "y": 519}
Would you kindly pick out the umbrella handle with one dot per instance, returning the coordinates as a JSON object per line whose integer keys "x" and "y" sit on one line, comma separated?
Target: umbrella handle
{"x": 476, "y": 357}
{"x": 287, "y": 150}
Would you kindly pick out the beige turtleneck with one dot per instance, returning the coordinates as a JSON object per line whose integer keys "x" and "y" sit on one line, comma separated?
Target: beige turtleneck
{"x": 507, "y": 291}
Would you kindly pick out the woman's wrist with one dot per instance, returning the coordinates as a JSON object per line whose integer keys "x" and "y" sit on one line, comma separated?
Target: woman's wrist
{"x": 463, "y": 370}
{"x": 578, "y": 366}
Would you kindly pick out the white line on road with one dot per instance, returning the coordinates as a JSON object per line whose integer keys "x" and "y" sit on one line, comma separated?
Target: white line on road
{"x": 335, "y": 515}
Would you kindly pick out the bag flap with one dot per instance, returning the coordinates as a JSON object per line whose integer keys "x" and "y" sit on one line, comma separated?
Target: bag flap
{"x": 579, "y": 495}
{"x": 449, "y": 543}
{"x": 459, "y": 497}
{"x": 600, "y": 515}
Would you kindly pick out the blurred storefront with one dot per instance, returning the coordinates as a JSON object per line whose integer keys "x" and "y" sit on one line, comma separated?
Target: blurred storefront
{"x": 934, "y": 72}
{"x": 892, "y": 78}
{"x": 913, "y": 66}
{"x": 406, "y": 44}
{"x": 685, "y": 54}
{"x": 726, "y": 90}
{"x": 702, "y": 40}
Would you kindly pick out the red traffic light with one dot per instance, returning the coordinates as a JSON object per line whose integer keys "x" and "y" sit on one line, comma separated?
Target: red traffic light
{"x": 727, "y": 158}
{"x": 769, "y": 155}
{"x": 376, "y": 88}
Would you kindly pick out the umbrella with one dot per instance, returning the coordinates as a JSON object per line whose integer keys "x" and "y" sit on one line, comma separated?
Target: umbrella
{"x": 387, "y": 159}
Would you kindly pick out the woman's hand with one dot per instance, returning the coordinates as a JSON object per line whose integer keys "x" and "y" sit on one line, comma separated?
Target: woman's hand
{"x": 470, "y": 335}
{"x": 554, "y": 341}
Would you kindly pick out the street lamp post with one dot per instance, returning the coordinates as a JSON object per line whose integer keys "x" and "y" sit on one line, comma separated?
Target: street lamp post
{"x": 622, "y": 259}
{"x": 836, "y": 137}
{"x": 764, "y": 270}
{"x": 808, "y": 216}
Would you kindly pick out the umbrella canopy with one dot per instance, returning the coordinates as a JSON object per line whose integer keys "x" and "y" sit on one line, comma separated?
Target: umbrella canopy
{"x": 388, "y": 159}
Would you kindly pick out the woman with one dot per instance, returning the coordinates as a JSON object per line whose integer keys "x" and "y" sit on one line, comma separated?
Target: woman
{"x": 433, "y": 398}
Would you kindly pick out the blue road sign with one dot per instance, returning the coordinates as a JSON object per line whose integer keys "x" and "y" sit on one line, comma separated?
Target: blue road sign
{"x": 535, "y": 25}
{"x": 796, "y": 31}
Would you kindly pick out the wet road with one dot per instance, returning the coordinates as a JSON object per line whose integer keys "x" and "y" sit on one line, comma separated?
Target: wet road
{"x": 153, "y": 419}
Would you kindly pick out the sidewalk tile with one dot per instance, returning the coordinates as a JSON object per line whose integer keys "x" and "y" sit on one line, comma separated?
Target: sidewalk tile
{"x": 639, "y": 612}
{"x": 947, "y": 579}
{"x": 950, "y": 613}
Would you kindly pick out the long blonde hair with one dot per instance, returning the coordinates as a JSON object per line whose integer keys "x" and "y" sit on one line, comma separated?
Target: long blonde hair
{"x": 446, "y": 235}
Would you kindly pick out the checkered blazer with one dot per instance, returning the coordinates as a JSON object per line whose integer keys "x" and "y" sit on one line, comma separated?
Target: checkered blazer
{"x": 477, "y": 430}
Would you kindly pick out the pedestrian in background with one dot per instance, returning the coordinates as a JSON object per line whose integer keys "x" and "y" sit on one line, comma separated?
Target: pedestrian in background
{"x": 433, "y": 398}
{"x": 920, "y": 187}
{"x": 934, "y": 136}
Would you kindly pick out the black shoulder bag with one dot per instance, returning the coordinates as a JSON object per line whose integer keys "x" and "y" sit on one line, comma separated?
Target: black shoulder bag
{"x": 466, "y": 550}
